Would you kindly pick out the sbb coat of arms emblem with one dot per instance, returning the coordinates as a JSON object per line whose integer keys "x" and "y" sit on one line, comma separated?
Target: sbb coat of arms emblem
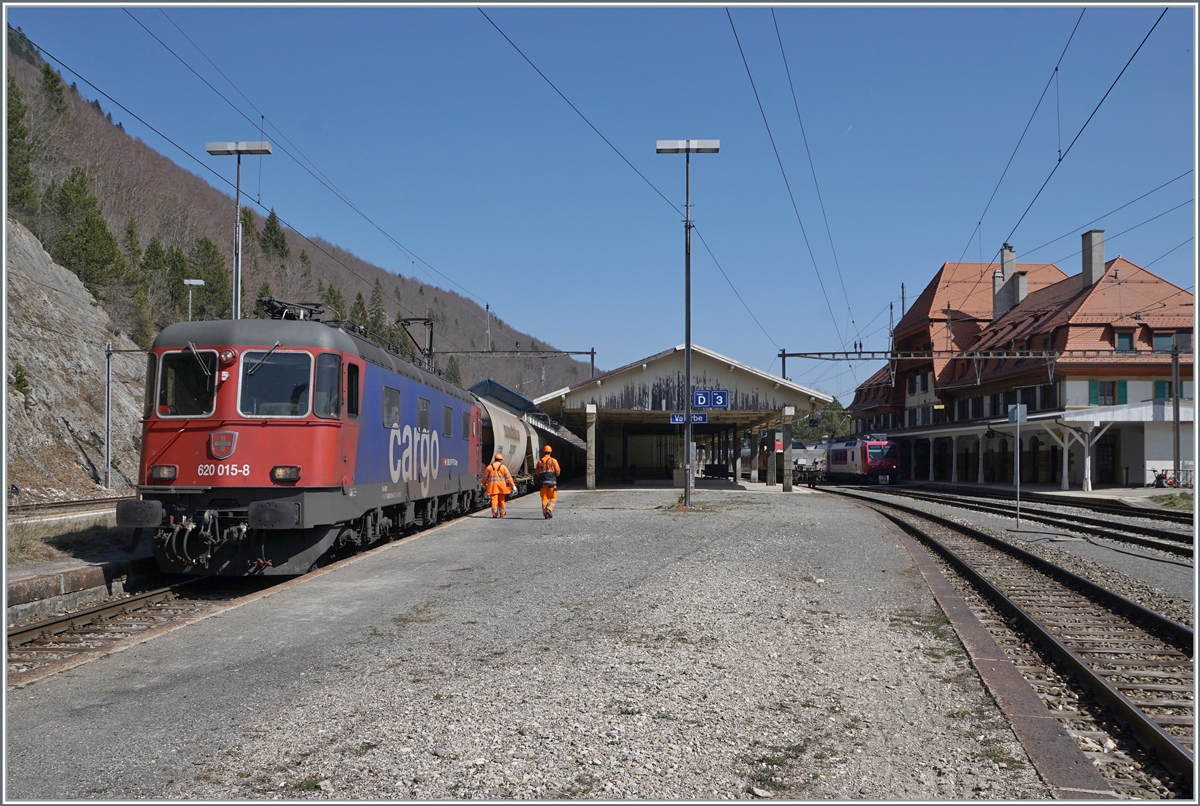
{"x": 222, "y": 443}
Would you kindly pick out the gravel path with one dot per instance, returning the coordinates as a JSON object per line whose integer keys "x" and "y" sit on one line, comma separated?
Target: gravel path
{"x": 764, "y": 645}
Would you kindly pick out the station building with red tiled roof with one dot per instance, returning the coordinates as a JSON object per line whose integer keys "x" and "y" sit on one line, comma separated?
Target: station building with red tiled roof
{"x": 1088, "y": 355}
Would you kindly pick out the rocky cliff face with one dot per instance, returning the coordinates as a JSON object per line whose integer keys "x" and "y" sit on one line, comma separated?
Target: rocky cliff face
{"x": 54, "y": 422}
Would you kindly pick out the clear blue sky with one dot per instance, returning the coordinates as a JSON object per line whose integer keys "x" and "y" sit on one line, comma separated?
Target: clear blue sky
{"x": 434, "y": 126}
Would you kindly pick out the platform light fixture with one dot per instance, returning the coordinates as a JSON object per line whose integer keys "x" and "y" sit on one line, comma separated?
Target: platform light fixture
{"x": 687, "y": 148}
{"x": 190, "y": 284}
{"x": 239, "y": 148}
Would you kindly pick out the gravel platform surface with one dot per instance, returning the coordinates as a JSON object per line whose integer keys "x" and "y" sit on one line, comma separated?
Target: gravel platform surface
{"x": 762, "y": 645}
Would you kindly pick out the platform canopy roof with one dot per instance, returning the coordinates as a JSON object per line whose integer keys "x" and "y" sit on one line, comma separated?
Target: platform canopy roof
{"x": 646, "y": 392}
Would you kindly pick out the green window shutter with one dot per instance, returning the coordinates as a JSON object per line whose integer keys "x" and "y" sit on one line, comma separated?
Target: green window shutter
{"x": 1122, "y": 398}
{"x": 1093, "y": 393}
{"x": 1160, "y": 389}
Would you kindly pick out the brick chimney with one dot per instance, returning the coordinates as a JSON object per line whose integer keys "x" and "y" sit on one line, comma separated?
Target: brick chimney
{"x": 1093, "y": 257}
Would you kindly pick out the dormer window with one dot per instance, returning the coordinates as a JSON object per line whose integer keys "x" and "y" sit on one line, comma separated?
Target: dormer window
{"x": 1163, "y": 342}
{"x": 1125, "y": 341}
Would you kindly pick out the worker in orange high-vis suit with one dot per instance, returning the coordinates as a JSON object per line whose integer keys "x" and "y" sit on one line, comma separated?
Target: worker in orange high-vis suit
{"x": 547, "y": 475}
{"x": 498, "y": 483}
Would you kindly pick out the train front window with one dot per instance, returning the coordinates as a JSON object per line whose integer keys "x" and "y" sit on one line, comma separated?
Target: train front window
{"x": 877, "y": 452}
{"x": 275, "y": 383}
{"x": 187, "y": 383}
{"x": 151, "y": 383}
{"x": 327, "y": 395}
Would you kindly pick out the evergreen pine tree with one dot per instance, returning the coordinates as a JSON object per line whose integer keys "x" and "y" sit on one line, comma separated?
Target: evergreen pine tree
{"x": 52, "y": 85}
{"x": 142, "y": 332}
{"x": 358, "y": 312}
{"x": 335, "y": 302}
{"x": 453, "y": 374}
{"x": 22, "y": 196}
{"x": 274, "y": 239}
{"x": 377, "y": 321}
{"x": 133, "y": 249}
{"x": 214, "y": 299}
{"x": 81, "y": 240}
{"x": 264, "y": 290}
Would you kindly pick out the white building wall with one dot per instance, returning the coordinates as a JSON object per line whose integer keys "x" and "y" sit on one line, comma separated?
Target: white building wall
{"x": 1159, "y": 448}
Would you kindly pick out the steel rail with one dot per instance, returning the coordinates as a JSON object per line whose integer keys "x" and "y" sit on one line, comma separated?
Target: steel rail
{"x": 17, "y": 636}
{"x": 1173, "y": 755}
{"x": 1175, "y": 516}
{"x": 1161, "y": 539}
{"x": 43, "y": 507}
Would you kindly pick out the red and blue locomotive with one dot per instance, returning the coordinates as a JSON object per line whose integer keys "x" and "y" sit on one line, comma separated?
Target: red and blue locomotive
{"x": 269, "y": 445}
{"x": 873, "y": 459}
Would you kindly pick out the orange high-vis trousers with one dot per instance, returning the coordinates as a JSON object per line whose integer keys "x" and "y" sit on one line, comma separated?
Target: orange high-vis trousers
{"x": 498, "y": 503}
{"x": 549, "y": 496}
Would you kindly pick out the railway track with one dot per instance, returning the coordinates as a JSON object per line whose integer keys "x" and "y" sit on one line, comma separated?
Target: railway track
{"x": 1135, "y": 663}
{"x": 1172, "y": 541}
{"x": 50, "y": 508}
{"x": 64, "y": 641}
{"x": 1117, "y": 508}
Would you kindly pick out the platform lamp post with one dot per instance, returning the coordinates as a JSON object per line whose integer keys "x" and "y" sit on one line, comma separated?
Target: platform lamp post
{"x": 687, "y": 148}
{"x": 239, "y": 148}
{"x": 190, "y": 284}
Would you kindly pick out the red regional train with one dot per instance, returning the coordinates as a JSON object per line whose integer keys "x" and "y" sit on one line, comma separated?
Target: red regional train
{"x": 873, "y": 459}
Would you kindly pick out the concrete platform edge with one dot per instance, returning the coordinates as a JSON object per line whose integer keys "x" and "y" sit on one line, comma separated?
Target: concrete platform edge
{"x": 1057, "y": 757}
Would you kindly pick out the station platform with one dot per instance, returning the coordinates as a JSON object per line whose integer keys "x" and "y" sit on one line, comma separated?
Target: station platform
{"x": 37, "y": 589}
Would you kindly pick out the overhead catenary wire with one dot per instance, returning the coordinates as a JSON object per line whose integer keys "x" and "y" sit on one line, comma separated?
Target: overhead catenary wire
{"x": 323, "y": 180}
{"x": 808, "y": 151}
{"x": 787, "y": 184}
{"x": 624, "y": 159}
{"x": 139, "y": 119}
{"x": 1075, "y": 139}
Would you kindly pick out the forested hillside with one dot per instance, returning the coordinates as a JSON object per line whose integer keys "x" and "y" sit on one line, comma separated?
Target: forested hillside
{"x": 132, "y": 225}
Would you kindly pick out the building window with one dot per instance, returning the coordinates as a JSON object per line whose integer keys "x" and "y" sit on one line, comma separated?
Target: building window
{"x": 925, "y": 381}
{"x": 1049, "y": 397}
{"x": 964, "y": 410}
{"x": 976, "y": 407}
{"x": 1162, "y": 390}
{"x": 912, "y": 418}
{"x": 912, "y": 384}
{"x": 1124, "y": 341}
{"x": 1162, "y": 342}
{"x": 996, "y": 405}
{"x": 1107, "y": 393}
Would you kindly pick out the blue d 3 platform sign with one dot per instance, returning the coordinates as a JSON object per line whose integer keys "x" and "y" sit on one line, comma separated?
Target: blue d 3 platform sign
{"x": 710, "y": 399}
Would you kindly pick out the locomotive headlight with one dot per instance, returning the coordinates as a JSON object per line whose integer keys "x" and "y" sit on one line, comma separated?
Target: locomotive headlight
{"x": 227, "y": 356}
{"x": 163, "y": 472}
{"x": 285, "y": 473}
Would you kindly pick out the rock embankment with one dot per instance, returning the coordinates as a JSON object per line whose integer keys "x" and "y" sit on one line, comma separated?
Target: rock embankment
{"x": 54, "y": 426}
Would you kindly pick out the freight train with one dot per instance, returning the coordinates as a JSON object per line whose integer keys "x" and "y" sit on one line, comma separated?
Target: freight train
{"x": 270, "y": 446}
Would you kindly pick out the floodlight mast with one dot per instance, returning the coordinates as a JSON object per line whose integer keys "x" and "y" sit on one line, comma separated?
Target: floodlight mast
{"x": 687, "y": 148}
{"x": 239, "y": 148}
{"x": 190, "y": 284}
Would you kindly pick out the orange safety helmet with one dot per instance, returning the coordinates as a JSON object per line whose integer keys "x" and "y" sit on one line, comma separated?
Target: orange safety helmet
{"x": 500, "y": 456}
{"x": 546, "y": 449}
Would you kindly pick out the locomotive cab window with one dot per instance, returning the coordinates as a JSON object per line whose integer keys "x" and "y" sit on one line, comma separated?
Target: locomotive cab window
{"x": 466, "y": 424}
{"x": 877, "y": 452}
{"x": 275, "y": 383}
{"x": 327, "y": 398}
{"x": 151, "y": 381}
{"x": 352, "y": 391}
{"x": 187, "y": 384}
{"x": 422, "y": 414}
{"x": 447, "y": 421}
{"x": 391, "y": 407}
